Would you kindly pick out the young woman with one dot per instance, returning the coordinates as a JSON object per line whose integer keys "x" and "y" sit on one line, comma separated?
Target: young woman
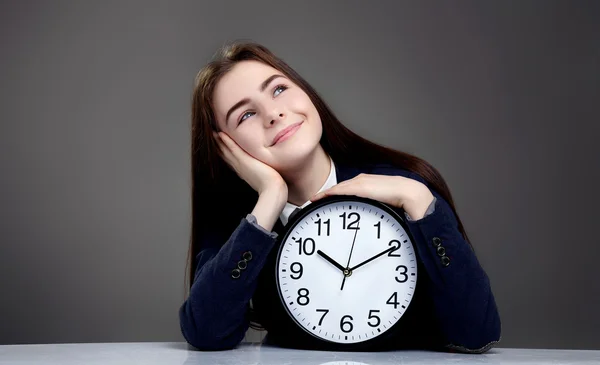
{"x": 263, "y": 144}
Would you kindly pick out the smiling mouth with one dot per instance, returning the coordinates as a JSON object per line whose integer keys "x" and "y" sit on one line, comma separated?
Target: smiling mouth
{"x": 289, "y": 133}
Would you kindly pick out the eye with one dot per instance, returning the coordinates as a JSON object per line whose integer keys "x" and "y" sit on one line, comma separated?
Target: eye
{"x": 281, "y": 86}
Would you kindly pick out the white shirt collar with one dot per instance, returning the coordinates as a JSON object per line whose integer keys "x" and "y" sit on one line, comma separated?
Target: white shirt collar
{"x": 289, "y": 207}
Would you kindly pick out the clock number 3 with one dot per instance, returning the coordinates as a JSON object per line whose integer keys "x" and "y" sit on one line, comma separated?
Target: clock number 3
{"x": 403, "y": 273}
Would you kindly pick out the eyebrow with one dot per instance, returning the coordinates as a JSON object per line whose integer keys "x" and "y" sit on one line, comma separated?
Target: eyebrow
{"x": 245, "y": 101}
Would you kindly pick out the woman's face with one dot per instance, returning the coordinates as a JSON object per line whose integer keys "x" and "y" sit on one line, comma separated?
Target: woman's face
{"x": 268, "y": 109}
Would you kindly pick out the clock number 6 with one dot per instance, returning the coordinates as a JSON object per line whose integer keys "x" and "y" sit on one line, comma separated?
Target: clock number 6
{"x": 342, "y": 323}
{"x": 302, "y": 246}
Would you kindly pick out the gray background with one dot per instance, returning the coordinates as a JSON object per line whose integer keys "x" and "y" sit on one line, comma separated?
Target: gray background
{"x": 502, "y": 97}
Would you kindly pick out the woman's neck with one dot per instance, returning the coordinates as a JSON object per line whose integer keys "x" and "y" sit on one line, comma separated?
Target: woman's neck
{"x": 304, "y": 181}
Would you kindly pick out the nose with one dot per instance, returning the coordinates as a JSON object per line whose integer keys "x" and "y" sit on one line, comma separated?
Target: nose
{"x": 270, "y": 120}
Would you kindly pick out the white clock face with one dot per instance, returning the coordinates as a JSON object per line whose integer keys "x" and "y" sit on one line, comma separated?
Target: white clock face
{"x": 354, "y": 305}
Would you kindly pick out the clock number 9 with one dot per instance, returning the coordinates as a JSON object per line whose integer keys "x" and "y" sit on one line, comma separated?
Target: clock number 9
{"x": 302, "y": 246}
{"x": 302, "y": 296}
{"x": 351, "y": 223}
{"x": 342, "y": 323}
{"x": 299, "y": 271}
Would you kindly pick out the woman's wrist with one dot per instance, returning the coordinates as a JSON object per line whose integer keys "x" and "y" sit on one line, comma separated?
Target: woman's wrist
{"x": 269, "y": 206}
{"x": 417, "y": 207}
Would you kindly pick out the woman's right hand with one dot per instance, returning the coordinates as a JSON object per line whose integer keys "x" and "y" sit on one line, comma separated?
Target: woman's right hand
{"x": 260, "y": 176}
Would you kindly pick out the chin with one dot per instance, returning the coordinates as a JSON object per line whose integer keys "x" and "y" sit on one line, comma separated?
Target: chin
{"x": 296, "y": 155}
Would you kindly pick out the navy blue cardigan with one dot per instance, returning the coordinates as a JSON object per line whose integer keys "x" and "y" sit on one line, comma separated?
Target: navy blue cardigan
{"x": 455, "y": 311}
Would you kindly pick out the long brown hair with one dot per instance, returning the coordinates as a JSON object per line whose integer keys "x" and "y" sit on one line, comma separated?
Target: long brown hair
{"x": 213, "y": 182}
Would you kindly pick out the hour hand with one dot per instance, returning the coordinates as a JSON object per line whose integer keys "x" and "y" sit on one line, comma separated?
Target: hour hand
{"x": 332, "y": 261}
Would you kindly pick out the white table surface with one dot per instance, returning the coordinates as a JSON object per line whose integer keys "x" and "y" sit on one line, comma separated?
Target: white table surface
{"x": 167, "y": 353}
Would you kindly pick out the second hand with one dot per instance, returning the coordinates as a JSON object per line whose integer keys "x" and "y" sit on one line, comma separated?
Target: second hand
{"x": 350, "y": 256}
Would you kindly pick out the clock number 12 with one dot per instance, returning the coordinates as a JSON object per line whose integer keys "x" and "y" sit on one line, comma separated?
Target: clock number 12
{"x": 350, "y": 226}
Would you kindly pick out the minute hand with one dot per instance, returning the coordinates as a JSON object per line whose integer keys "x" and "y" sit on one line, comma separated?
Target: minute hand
{"x": 372, "y": 258}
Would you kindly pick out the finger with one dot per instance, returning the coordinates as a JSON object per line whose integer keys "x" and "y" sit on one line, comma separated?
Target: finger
{"x": 226, "y": 153}
{"x": 230, "y": 144}
{"x": 344, "y": 188}
{"x": 220, "y": 138}
{"x": 220, "y": 144}
{"x": 217, "y": 139}
{"x": 324, "y": 193}
{"x": 226, "y": 139}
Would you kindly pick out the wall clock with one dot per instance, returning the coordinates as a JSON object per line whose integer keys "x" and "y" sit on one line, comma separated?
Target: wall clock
{"x": 344, "y": 272}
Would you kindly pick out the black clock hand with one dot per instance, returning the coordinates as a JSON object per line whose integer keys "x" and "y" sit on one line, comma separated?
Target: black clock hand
{"x": 354, "y": 240}
{"x": 332, "y": 261}
{"x": 372, "y": 258}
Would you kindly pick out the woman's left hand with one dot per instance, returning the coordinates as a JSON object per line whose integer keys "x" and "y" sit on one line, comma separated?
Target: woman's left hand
{"x": 398, "y": 191}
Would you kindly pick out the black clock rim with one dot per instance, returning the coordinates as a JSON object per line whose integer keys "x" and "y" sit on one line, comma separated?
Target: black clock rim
{"x": 290, "y": 227}
{"x": 335, "y": 198}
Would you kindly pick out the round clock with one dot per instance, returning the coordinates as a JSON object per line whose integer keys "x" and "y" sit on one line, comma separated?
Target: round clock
{"x": 345, "y": 271}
